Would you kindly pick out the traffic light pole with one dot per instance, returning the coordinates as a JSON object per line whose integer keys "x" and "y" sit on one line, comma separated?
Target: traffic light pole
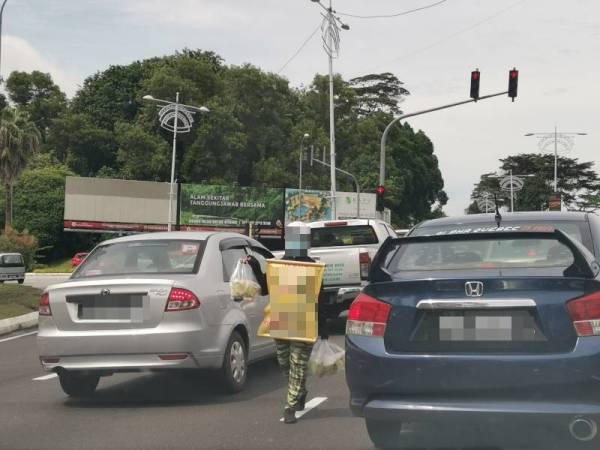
{"x": 418, "y": 113}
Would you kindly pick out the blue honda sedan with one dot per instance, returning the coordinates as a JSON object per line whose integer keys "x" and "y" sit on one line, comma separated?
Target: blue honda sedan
{"x": 485, "y": 326}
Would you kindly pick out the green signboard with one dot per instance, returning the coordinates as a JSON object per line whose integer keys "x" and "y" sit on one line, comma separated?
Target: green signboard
{"x": 227, "y": 206}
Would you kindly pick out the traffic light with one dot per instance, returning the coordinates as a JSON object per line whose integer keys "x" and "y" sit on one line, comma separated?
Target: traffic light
{"x": 475, "y": 76}
{"x": 513, "y": 82}
{"x": 379, "y": 192}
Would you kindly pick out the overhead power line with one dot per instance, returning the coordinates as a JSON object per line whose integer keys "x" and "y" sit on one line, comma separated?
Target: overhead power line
{"x": 386, "y": 16}
{"x": 453, "y": 35}
{"x": 304, "y": 44}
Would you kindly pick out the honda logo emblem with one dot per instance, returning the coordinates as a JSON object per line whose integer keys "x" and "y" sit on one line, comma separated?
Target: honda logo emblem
{"x": 105, "y": 291}
{"x": 474, "y": 288}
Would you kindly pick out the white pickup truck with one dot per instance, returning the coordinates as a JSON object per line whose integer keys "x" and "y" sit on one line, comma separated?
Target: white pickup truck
{"x": 347, "y": 247}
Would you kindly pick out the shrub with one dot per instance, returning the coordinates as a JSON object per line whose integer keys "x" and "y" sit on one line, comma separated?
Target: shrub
{"x": 23, "y": 243}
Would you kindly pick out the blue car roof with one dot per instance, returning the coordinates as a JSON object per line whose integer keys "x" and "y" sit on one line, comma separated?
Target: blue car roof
{"x": 546, "y": 216}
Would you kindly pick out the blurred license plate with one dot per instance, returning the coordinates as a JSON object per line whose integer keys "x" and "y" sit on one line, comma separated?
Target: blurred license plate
{"x": 119, "y": 307}
{"x": 469, "y": 327}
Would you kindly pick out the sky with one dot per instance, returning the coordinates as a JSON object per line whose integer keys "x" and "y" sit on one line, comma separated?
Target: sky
{"x": 555, "y": 44}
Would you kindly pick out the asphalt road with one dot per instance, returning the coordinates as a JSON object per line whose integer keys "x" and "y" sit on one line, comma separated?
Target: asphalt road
{"x": 42, "y": 281}
{"x": 180, "y": 411}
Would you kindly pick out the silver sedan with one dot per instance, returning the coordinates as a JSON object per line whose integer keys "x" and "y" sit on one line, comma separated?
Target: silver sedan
{"x": 153, "y": 302}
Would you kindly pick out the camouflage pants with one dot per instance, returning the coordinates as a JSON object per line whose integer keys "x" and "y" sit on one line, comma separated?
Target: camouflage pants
{"x": 293, "y": 360}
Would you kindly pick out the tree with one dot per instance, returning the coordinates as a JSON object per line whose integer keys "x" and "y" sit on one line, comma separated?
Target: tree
{"x": 81, "y": 145}
{"x": 578, "y": 183}
{"x": 379, "y": 92}
{"x": 37, "y": 94}
{"x": 19, "y": 139}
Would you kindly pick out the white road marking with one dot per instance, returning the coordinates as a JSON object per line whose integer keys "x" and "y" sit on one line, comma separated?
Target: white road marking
{"x": 17, "y": 337}
{"x": 311, "y": 404}
{"x": 46, "y": 377}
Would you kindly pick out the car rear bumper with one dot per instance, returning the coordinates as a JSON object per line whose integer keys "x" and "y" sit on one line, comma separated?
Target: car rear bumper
{"x": 134, "y": 349}
{"x": 403, "y": 409}
{"x": 564, "y": 378}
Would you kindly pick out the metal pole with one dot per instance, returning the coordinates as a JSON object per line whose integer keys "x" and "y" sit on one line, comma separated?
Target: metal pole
{"x": 555, "y": 159}
{"x": 332, "y": 117}
{"x": 175, "y": 123}
{"x": 512, "y": 205}
{"x": 1, "y": 15}
{"x": 301, "y": 151}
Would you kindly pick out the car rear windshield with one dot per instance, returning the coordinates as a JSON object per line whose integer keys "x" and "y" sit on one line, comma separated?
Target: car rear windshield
{"x": 578, "y": 230}
{"x": 142, "y": 257}
{"x": 343, "y": 235}
{"x": 489, "y": 253}
{"x": 11, "y": 261}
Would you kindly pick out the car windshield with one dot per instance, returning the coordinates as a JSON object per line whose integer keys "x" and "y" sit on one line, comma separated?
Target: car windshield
{"x": 481, "y": 254}
{"x": 139, "y": 257}
{"x": 11, "y": 260}
{"x": 335, "y": 236}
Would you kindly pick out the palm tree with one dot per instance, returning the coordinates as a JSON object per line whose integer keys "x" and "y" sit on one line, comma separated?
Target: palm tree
{"x": 19, "y": 139}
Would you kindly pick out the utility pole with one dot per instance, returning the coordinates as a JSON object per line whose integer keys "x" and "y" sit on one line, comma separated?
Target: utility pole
{"x": 331, "y": 43}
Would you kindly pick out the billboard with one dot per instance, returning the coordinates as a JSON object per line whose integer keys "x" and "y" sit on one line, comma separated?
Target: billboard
{"x": 109, "y": 205}
{"x": 204, "y": 205}
{"x": 310, "y": 205}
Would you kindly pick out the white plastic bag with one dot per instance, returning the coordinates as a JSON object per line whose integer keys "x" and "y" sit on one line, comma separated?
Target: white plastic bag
{"x": 326, "y": 358}
{"x": 243, "y": 283}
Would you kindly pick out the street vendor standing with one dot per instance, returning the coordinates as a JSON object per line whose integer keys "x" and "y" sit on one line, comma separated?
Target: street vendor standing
{"x": 293, "y": 355}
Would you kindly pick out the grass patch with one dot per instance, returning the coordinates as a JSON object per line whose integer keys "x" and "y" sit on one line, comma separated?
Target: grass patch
{"x": 61, "y": 266}
{"x": 16, "y": 299}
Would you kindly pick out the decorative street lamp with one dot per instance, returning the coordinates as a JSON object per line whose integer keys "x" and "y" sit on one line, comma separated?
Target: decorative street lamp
{"x": 176, "y": 118}
{"x": 1, "y": 14}
{"x": 564, "y": 139}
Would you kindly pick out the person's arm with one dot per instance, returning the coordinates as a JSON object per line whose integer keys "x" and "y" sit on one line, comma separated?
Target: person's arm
{"x": 258, "y": 274}
{"x": 322, "y": 316}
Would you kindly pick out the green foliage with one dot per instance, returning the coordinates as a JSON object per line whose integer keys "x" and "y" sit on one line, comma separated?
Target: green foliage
{"x": 578, "y": 183}
{"x": 80, "y": 144}
{"x": 36, "y": 93}
{"x": 252, "y": 134}
{"x": 23, "y": 243}
{"x": 39, "y": 203}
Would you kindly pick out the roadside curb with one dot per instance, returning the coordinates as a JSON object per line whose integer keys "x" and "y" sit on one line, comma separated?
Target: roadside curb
{"x": 17, "y": 323}
{"x": 53, "y": 274}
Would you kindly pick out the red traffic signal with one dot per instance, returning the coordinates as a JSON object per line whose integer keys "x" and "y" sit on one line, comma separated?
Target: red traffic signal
{"x": 513, "y": 83}
{"x": 475, "y": 77}
{"x": 379, "y": 192}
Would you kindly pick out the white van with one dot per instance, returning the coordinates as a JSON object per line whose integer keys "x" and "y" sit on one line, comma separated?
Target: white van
{"x": 12, "y": 267}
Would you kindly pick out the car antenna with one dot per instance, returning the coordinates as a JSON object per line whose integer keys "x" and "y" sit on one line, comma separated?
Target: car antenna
{"x": 498, "y": 215}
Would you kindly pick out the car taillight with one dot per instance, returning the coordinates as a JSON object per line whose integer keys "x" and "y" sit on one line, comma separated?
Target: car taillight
{"x": 365, "y": 265}
{"x": 44, "y": 306}
{"x": 367, "y": 317}
{"x": 585, "y": 313}
{"x": 181, "y": 300}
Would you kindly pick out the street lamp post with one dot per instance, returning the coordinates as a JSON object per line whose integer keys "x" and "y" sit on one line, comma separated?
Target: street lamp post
{"x": 565, "y": 139}
{"x": 306, "y": 135}
{"x": 1, "y": 14}
{"x": 330, "y": 28}
{"x": 170, "y": 116}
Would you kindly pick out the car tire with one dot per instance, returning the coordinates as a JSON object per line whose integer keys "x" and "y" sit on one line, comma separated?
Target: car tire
{"x": 385, "y": 435}
{"x": 21, "y": 281}
{"x": 78, "y": 384}
{"x": 235, "y": 364}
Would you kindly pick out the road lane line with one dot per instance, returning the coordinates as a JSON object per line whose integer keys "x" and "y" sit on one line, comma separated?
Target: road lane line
{"x": 310, "y": 405}
{"x": 46, "y": 377}
{"x": 17, "y": 337}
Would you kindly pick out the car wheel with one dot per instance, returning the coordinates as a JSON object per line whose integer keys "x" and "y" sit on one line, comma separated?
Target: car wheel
{"x": 384, "y": 434}
{"x": 21, "y": 281}
{"x": 235, "y": 366}
{"x": 78, "y": 384}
